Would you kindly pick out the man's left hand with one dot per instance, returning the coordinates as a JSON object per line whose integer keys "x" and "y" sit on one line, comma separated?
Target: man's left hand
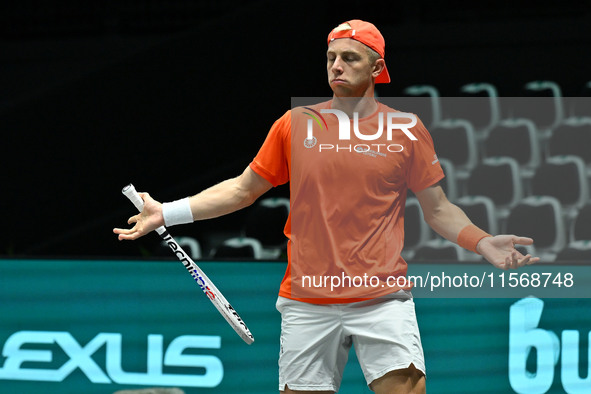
{"x": 500, "y": 251}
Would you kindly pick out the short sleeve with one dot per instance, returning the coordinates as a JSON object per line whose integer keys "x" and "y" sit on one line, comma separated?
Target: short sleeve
{"x": 424, "y": 169}
{"x": 272, "y": 160}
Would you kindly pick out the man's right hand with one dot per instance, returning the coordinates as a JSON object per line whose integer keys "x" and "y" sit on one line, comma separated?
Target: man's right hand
{"x": 148, "y": 220}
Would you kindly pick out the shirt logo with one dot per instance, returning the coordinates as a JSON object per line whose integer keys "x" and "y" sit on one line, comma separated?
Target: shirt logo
{"x": 344, "y": 124}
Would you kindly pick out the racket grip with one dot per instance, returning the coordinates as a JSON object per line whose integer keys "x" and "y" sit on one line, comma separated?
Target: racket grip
{"x": 130, "y": 192}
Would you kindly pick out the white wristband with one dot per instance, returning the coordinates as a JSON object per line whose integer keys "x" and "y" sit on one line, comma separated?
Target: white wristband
{"x": 177, "y": 212}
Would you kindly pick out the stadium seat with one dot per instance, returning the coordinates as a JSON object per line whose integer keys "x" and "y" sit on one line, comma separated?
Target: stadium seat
{"x": 454, "y": 139}
{"x": 480, "y": 106}
{"x": 541, "y": 103}
{"x": 539, "y": 217}
{"x": 498, "y": 179}
{"x": 515, "y": 138}
{"x": 581, "y": 227}
{"x": 416, "y": 230}
{"x": 239, "y": 248}
{"x": 586, "y": 90}
{"x": 481, "y": 211}
{"x": 265, "y": 222}
{"x": 424, "y": 101}
{"x": 571, "y": 138}
{"x": 576, "y": 251}
{"x": 563, "y": 177}
{"x": 579, "y": 108}
{"x": 422, "y": 107}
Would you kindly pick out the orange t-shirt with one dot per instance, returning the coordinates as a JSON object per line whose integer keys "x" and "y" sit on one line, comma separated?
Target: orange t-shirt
{"x": 347, "y": 198}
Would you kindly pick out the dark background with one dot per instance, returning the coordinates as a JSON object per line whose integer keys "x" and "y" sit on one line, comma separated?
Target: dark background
{"x": 177, "y": 95}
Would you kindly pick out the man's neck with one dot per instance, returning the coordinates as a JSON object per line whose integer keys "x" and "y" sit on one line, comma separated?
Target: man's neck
{"x": 363, "y": 106}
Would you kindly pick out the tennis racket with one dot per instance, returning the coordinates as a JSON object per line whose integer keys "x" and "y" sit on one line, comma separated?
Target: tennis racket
{"x": 214, "y": 295}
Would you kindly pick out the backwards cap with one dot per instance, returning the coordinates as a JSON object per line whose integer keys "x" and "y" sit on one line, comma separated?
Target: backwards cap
{"x": 367, "y": 34}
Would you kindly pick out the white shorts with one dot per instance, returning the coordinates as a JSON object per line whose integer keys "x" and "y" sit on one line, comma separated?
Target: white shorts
{"x": 316, "y": 339}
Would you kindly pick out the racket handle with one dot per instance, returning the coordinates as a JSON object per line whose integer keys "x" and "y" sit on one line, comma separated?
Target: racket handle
{"x": 130, "y": 192}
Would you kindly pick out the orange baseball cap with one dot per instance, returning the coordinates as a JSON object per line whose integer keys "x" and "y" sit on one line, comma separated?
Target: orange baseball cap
{"x": 367, "y": 34}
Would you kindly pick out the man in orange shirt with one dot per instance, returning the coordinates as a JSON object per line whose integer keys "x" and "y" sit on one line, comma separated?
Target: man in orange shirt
{"x": 347, "y": 191}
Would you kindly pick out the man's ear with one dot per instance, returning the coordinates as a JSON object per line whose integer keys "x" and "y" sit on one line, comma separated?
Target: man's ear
{"x": 378, "y": 67}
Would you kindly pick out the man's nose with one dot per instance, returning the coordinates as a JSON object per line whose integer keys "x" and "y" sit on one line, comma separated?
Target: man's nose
{"x": 337, "y": 65}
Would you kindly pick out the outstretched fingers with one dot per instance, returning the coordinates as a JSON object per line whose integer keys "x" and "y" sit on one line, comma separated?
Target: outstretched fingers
{"x": 131, "y": 233}
{"x": 511, "y": 261}
{"x": 126, "y": 234}
{"x": 522, "y": 240}
{"x": 133, "y": 219}
{"x": 516, "y": 260}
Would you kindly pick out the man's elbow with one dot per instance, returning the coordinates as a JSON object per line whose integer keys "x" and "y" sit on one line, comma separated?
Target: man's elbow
{"x": 245, "y": 196}
{"x": 435, "y": 215}
{"x": 249, "y": 187}
{"x": 249, "y": 197}
{"x": 431, "y": 220}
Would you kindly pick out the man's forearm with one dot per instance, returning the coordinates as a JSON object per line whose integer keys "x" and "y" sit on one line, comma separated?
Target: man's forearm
{"x": 221, "y": 199}
{"x": 452, "y": 223}
{"x": 448, "y": 220}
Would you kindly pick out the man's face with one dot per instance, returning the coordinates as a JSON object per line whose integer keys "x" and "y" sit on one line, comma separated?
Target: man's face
{"x": 349, "y": 69}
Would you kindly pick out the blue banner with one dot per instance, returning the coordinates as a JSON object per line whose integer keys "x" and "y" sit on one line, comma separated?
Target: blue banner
{"x": 93, "y": 326}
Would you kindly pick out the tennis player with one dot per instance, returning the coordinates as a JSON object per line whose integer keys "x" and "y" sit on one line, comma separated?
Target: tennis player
{"x": 347, "y": 204}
